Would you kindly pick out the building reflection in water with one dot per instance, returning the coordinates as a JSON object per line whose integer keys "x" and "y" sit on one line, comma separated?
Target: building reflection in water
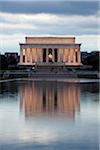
{"x": 51, "y": 98}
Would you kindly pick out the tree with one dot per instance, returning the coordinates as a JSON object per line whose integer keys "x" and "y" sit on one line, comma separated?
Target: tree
{"x": 3, "y": 62}
{"x": 92, "y": 60}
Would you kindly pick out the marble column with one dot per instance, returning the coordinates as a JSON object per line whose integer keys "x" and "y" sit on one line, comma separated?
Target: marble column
{"x": 67, "y": 51}
{"x": 34, "y": 55}
{"x": 35, "y": 49}
{"x": 64, "y": 55}
{"x": 78, "y": 53}
{"x": 69, "y": 60}
{"x": 21, "y": 55}
{"x": 74, "y": 57}
{"x": 37, "y": 54}
{"x": 71, "y": 54}
{"x": 30, "y": 55}
{"x": 41, "y": 54}
{"x": 60, "y": 55}
{"x": 73, "y": 51}
{"x": 26, "y": 55}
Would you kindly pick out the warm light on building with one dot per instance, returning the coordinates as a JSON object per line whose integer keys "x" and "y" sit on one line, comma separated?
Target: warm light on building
{"x": 43, "y": 50}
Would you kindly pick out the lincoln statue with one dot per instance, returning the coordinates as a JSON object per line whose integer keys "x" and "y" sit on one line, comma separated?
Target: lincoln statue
{"x": 46, "y": 51}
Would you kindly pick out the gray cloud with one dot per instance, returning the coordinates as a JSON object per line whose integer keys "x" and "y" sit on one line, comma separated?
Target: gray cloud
{"x": 55, "y": 7}
{"x": 74, "y": 18}
{"x": 42, "y": 24}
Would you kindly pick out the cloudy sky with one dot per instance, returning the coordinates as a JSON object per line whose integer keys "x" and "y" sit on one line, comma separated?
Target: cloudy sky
{"x": 20, "y": 18}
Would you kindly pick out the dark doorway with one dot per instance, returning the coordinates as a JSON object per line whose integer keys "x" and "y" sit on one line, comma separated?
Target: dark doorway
{"x": 24, "y": 58}
{"x": 44, "y": 55}
{"x": 55, "y": 54}
{"x": 76, "y": 57}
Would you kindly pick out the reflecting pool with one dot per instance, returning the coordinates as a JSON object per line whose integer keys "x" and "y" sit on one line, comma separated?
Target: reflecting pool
{"x": 49, "y": 115}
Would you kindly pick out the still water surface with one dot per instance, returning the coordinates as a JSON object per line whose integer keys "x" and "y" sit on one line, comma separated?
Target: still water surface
{"x": 49, "y": 115}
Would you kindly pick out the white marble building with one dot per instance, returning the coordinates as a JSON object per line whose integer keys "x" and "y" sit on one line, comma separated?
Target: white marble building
{"x": 48, "y": 51}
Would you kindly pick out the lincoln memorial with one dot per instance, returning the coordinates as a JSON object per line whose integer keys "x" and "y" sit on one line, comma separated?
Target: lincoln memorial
{"x": 46, "y": 51}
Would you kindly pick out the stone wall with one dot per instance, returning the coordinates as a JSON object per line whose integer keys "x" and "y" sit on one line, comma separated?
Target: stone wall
{"x": 50, "y": 40}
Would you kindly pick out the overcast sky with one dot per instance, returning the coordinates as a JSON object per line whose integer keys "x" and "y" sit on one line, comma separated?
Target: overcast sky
{"x": 20, "y": 18}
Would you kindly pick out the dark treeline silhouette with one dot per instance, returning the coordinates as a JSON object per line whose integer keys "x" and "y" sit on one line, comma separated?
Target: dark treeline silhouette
{"x": 92, "y": 59}
{"x": 8, "y": 62}
{"x": 3, "y": 62}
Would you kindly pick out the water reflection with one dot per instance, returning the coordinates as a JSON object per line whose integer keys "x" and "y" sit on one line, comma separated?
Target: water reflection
{"x": 49, "y": 98}
{"x": 47, "y": 110}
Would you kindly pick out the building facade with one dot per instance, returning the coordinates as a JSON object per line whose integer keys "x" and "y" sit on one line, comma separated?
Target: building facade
{"x": 50, "y": 51}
